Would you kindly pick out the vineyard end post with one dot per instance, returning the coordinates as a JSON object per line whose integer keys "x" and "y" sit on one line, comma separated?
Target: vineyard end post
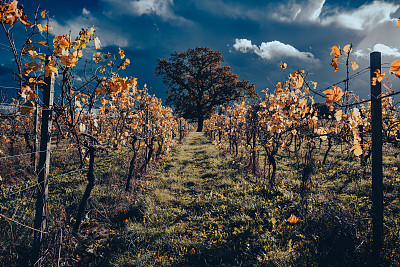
{"x": 40, "y": 222}
{"x": 377, "y": 172}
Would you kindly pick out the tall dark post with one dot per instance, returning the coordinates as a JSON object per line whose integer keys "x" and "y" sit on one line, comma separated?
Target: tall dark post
{"x": 40, "y": 222}
{"x": 377, "y": 174}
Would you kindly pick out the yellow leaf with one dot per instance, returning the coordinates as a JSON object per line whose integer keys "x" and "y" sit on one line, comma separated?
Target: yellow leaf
{"x": 78, "y": 53}
{"x": 338, "y": 115}
{"x": 50, "y": 68}
{"x": 96, "y": 57}
{"x": 27, "y": 93}
{"x": 334, "y": 64}
{"x": 354, "y": 65}
{"x": 121, "y": 53}
{"x": 293, "y": 219}
{"x": 43, "y": 43}
{"x": 347, "y": 49}
{"x": 333, "y": 95}
{"x": 39, "y": 26}
{"x": 357, "y": 149}
{"x": 378, "y": 78}
{"x": 395, "y": 68}
{"x": 336, "y": 51}
{"x": 43, "y": 13}
{"x": 47, "y": 27}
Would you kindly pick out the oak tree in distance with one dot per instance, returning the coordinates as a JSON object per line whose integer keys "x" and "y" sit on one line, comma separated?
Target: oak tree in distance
{"x": 198, "y": 83}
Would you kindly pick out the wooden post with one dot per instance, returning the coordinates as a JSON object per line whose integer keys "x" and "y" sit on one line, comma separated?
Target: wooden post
{"x": 377, "y": 173}
{"x": 180, "y": 130}
{"x": 35, "y": 155}
{"x": 40, "y": 222}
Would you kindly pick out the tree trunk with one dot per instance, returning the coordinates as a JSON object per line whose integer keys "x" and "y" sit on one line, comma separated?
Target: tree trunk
{"x": 272, "y": 161}
{"x": 200, "y": 124}
{"x": 327, "y": 151}
{"x": 132, "y": 166}
{"x": 91, "y": 180}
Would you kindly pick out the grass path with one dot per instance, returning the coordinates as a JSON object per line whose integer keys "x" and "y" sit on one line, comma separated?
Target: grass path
{"x": 197, "y": 210}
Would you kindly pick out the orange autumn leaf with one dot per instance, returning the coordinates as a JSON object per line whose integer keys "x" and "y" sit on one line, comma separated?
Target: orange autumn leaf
{"x": 43, "y": 13}
{"x": 96, "y": 57}
{"x": 26, "y": 93}
{"x": 293, "y": 219}
{"x": 40, "y": 28}
{"x": 334, "y": 64}
{"x": 395, "y": 68}
{"x": 296, "y": 80}
{"x": 336, "y": 51}
{"x": 347, "y": 49}
{"x": 338, "y": 115}
{"x": 378, "y": 78}
{"x": 398, "y": 24}
{"x": 121, "y": 53}
{"x": 357, "y": 149}
{"x": 354, "y": 65}
{"x": 22, "y": 16}
{"x": 124, "y": 63}
{"x": 333, "y": 95}
{"x": 50, "y": 68}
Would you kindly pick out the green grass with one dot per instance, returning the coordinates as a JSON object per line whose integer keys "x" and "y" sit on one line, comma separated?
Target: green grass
{"x": 201, "y": 208}
{"x": 198, "y": 210}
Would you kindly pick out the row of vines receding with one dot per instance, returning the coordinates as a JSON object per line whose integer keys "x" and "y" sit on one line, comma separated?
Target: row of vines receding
{"x": 104, "y": 135}
{"x": 318, "y": 156}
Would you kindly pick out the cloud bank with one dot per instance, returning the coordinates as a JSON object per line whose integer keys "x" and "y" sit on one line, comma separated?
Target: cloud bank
{"x": 309, "y": 11}
{"x": 272, "y": 50}
{"x": 161, "y": 8}
{"x": 365, "y": 17}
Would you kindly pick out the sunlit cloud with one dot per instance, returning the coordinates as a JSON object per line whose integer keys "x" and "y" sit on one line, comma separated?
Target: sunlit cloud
{"x": 272, "y": 50}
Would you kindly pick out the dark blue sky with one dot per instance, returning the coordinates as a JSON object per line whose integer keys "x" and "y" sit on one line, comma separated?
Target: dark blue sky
{"x": 253, "y": 36}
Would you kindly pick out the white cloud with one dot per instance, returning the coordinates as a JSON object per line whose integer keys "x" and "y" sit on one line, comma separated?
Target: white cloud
{"x": 161, "y": 8}
{"x": 384, "y": 49}
{"x": 360, "y": 53}
{"x": 244, "y": 46}
{"x": 288, "y": 11}
{"x": 387, "y": 50}
{"x": 293, "y": 11}
{"x": 365, "y": 17}
{"x": 85, "y": 11}
{"x": 271, "y": 50}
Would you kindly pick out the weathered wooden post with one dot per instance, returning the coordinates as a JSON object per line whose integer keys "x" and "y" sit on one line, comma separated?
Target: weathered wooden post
{"x": 40, "y": 222}
{"x": 377, "y": 173}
